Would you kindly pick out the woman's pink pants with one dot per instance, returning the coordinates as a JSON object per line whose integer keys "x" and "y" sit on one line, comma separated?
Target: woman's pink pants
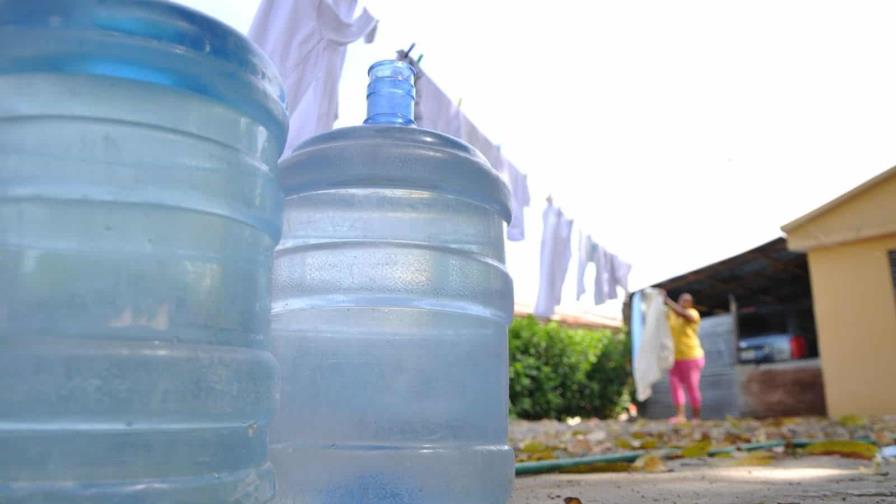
{"x": 684, "y": 378}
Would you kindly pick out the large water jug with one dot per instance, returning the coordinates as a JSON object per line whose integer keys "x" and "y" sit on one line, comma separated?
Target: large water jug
{"x": 390, "y": 311}
{"x": 138, "y": 215}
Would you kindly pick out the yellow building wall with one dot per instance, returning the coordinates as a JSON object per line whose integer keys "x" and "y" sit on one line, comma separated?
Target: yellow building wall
{"x": 855, "y": 316}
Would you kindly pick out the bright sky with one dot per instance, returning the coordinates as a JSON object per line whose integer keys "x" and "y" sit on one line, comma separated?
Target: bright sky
{"x": 675, "y": 133}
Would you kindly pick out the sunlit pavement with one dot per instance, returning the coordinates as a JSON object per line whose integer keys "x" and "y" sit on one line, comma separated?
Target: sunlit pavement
{"x": 797, "y": 480}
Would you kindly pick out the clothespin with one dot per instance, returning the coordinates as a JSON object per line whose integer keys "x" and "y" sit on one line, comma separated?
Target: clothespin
{"x": 550, "y": 200}
{"x": 460, "y": 102}
{"x": 405, "y": 54}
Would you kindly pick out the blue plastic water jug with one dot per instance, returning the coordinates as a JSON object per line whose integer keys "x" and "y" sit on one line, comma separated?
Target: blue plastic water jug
{"x": 139, "y": 211}
{"x": 390, "y": 312}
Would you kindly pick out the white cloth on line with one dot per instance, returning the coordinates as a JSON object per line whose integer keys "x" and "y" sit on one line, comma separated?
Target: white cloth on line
{"x": 617, "y": 275}
{"x": 587, "y": 254}
{"x": 435, "y": 110}
{"x": 475, "y": 137}
{"x": 518, "y": 183}
{"x": 306, "y": 41}
{"x": 555, "y": 255}
{"x": 610, "y": 272}
{"x": 656, "y": 350}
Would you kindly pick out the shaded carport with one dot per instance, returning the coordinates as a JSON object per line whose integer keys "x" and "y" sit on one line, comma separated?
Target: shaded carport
{"x": 767, "y": 287}
{"x": 761, "y": 291}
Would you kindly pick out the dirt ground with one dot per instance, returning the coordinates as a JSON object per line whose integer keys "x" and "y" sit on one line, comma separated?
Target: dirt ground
{"x": 792, "y": 480}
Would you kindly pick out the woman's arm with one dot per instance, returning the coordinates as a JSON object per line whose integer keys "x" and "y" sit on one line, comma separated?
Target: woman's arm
{"x": 680, "y": 311}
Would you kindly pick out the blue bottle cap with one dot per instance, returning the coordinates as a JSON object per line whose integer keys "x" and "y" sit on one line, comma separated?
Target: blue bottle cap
{"x": 390, "y": 93}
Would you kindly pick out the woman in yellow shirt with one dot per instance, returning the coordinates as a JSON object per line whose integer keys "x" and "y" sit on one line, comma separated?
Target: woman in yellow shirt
{"x": 684, "y": 377}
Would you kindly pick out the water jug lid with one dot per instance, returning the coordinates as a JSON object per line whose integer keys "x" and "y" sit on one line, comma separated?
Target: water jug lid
{"x": 152, "y": 41}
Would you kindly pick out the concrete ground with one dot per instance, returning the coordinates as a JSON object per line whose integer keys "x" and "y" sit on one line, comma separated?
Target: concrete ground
{"x": 812, "y": 480}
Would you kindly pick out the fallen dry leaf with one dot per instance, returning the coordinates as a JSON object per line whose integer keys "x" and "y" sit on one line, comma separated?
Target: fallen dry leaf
{"x": 845, "y": 448}
{"x": 882, "y": 438}
{"x": 649, "y": 463}
{"x": 697, "y": 449}
{"x": 578, "y": 446}
{"x": 572, "y": 500}
{"x": 755, "y": 458}
{"x": 534, "y": 447}
{"x": 852, "y": 421}
{"x": 535, "y": 451}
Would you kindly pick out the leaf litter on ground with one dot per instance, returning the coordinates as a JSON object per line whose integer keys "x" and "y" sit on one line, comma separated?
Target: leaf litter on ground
{"x": 550, "y": 439}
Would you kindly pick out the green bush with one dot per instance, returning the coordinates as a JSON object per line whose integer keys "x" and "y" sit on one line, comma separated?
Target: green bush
{"x": 558, "y": 371}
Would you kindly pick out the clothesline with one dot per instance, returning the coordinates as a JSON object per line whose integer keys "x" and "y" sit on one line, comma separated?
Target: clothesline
{"x": 307, "y": 42}
{"x": 610, "y": 272}
{"x": 436, "y": 111}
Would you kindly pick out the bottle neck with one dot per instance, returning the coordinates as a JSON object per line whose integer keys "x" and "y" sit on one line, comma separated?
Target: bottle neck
{"x": 390, "y": 94}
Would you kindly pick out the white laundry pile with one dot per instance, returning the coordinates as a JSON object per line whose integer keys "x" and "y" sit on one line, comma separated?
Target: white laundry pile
{"x": 611, "y": 272}
{"x": 437, "y": 112}
{"x": 656, "y": 351}
{"x": 306, "y": 41}
{"x": 555, "y": 255}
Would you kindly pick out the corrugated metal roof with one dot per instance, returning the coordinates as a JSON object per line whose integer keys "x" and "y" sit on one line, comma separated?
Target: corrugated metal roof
{"x": 769, "y": 274}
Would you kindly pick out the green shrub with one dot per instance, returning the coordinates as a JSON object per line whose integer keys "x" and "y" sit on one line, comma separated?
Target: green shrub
{"x": 558, "y": 371}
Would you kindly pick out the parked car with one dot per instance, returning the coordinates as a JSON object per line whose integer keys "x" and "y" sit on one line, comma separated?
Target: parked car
{"x": 772, "y": 348}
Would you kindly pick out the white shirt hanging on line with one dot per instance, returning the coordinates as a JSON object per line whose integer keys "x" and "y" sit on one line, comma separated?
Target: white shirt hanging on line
{"x": 435, "y": 111}
{"x": 617, "y": 275}
{"x": 518, "y": 183}
{"x": 610, "y": 271}
{"x": 588, "y": 252}
{"x": 656, "y": 350}
{"x": 475, "y": 137}
{"x": 306, "y": 41}
{"x": 555, "y": 255}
